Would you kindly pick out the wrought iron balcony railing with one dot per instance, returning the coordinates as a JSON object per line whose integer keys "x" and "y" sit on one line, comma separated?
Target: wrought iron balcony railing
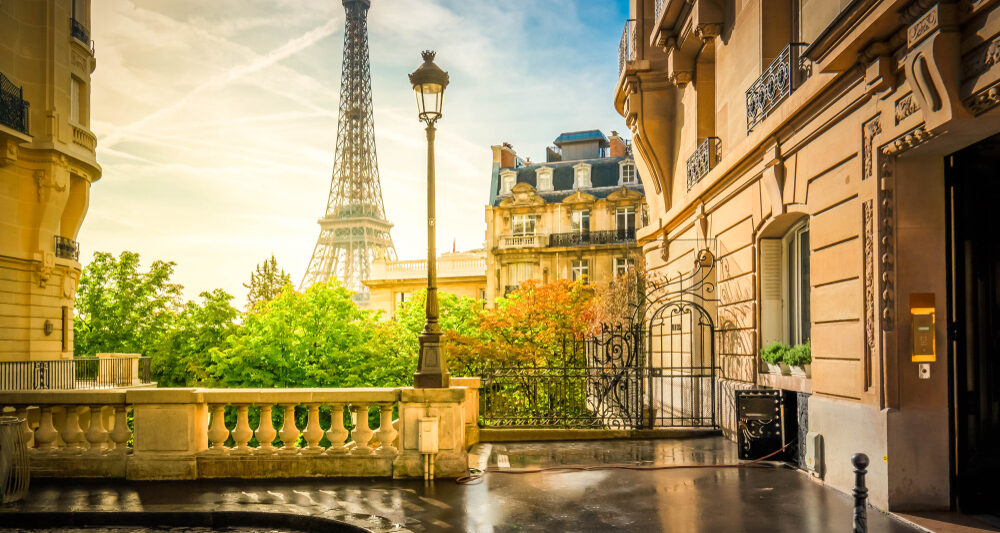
{"x": 590, "y": 238}
{"x": 704, "y": 159}
{"x": 14, "y": 110}
{"x": 626, "y": 48}
{"x": 67, "y": 248}
{"x": 778, "y": 80}
{"x": 79, "y": 31}
{"x": 658, "y": 8}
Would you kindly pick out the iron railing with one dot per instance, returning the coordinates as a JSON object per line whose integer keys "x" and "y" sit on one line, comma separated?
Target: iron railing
{"x": 588, "y": 238}
{"x": 67, "y": 248}
{"x": 76, "y": 373}
{"x": 626, "y": 48}
{"x": 658, "y": 8}
{"x": 704, "y": 159}
{"x": 79, "y": 31}
{"x": 14, "y": 109}
{"x": 778, "y": 80}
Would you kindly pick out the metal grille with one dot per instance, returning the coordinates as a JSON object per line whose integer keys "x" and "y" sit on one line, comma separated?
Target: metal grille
{"x": 14, "y": 110}
{"x": 626, "y": 48}
{"x": 778, "y": 80}
{"x": 702, "y": 160}
{"x": 14, "y": 467}
{"x": 79, "y": 31}
{"x": 622, "y": 236}
{"x": 67, "y": 248}
{"x": 77, "y": 373}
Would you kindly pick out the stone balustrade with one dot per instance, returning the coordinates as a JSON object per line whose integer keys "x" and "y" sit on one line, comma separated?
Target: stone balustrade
{"x": 248, "y": 433}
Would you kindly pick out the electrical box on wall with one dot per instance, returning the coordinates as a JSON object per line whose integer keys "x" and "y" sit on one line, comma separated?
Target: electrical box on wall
{"x": 427, "y": 437}
{"x": 814, "y": 453}
{"x": 922, "y": 320}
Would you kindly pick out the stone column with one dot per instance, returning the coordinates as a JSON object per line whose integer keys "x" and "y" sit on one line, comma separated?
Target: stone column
{"x": 448, "y": 406}
{"x": 170, "y": 429}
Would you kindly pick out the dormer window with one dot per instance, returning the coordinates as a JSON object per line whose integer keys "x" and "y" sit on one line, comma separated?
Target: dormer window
{"x": 581, "y": 176}
{"x": 507, "y": 180}
{"x": 626, "y": 173}
{"x": 543, "y": 178}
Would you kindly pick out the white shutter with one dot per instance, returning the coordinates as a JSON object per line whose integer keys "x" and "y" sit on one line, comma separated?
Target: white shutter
{"x": 771, "y": 315}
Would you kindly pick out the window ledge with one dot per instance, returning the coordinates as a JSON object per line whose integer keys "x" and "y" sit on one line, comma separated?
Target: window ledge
{"x": 792, "y": 383}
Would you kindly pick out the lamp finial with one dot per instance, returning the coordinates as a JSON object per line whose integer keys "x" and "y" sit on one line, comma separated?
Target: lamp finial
{"x": 428, "y": 55}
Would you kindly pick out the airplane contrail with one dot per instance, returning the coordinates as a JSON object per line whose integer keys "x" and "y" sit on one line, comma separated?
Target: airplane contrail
{"x": 289, "y": 48}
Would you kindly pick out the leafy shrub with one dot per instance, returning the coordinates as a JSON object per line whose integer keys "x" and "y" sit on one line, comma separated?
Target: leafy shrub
{"x": 774, "y": 353}
{"x": 799, "y": 355}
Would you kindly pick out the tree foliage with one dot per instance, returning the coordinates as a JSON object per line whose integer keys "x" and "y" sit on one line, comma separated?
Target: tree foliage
{"x": 266, "y": 282}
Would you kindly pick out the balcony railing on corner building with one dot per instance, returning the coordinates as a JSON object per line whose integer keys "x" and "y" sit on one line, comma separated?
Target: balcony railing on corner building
{"x": 589, "y": 238}
{"x": 14, "y": 110}
{"x": 78, "y": 30}
{"x": 75, "y": 374}
{"x": 704, "y": 159}
{"x": 778, "y": 80}
{"x": 67, "y": 248}
{"x": 626, "y": 48}
{"x": 658, "y": 8}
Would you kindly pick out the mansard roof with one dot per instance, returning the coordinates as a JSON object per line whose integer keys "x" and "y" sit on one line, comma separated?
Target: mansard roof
{"x": 604, "y": 173}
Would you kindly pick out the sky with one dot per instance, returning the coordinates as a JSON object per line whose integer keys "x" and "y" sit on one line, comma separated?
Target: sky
{"x": 217, "y": 120}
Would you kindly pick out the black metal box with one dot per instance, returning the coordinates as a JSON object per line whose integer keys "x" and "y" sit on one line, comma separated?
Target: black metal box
{"x": 759, "y": 424}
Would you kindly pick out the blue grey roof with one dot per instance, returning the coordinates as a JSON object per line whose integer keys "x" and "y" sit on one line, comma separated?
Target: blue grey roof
{"x": 581, "y": 136}
{"x": 603, "y": 177}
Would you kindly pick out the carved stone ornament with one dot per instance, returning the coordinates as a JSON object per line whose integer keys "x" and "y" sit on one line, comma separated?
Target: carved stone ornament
{"x": 980, "y": 60}
{"x": 906, "y": 141}
{"x": 984, "y": 100}
{"x": 868, "y": 223}
{"x": 933, "y": 66}
{"x": 8, "y": 152}
{"x": 870, "y": 129}
{"x": 706, "y": 32}
{"x": 665, "y": 248}
{"x": 45, "y": 263}
{"x": 905, "y": 107}
{"x": 47, "y": 182}
{"x": 680, "y": 79}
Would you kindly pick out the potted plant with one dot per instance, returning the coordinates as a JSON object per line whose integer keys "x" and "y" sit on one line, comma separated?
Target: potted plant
{"x": 799, "y": 358}
{"x": 773, "y": 356}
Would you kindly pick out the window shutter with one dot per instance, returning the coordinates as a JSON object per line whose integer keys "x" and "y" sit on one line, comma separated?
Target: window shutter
{"x": 772, "y": 328}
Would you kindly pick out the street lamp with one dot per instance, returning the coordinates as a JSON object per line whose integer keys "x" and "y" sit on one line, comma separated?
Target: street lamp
{"x": 429, "y": 82}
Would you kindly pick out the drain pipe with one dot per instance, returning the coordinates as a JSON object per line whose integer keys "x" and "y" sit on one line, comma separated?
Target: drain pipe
{"x": 427, "y": 443}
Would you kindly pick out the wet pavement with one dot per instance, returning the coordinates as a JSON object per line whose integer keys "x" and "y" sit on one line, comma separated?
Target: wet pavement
{"x": 717, "y": 498}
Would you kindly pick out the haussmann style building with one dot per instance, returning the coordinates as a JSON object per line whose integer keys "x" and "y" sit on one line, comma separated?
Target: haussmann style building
{"x": 572, "y": 217}
{"x": 839, "y": 160}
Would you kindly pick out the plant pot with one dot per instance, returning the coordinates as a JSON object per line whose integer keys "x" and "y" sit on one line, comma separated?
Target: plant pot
{"x": 785, "y": 369}
{"x": 800, "y": 371}
{"x": 772, "y": 368}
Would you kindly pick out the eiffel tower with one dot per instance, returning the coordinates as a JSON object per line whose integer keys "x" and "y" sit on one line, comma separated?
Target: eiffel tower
{"x": 354, "y": 231}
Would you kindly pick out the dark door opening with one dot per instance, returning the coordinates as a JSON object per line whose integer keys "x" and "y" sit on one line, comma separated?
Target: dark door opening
{"x": 973, "y": 189}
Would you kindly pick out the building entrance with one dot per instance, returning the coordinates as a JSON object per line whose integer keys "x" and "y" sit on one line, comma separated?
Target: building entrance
{"x": 973, "y": 189}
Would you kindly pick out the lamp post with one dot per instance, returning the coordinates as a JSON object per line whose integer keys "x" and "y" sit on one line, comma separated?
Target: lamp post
{"x": 429, "y": 82}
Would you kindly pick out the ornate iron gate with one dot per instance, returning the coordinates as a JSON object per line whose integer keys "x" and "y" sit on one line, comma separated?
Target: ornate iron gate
{"x": 656, "y": 371}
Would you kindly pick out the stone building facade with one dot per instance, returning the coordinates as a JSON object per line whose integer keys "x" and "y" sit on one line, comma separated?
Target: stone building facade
{"x": 47, "y": 165}
{"x": 572, "y": 217}
{"x": 393, "y": 282}
{"x": 837, "y": 157}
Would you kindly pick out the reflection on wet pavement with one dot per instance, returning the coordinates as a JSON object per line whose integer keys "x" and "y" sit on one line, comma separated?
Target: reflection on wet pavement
{"x": 686, "y": 499}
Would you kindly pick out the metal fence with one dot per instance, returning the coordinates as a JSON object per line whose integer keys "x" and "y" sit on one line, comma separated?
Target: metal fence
{"x": 67, "y": 248}
{"x": 14, "y": 110}
{"x": 585, "y": 238}
{"x": 76, "y": 373}
{"x": 626, "y": 48}
{"x": 778, "y": 80}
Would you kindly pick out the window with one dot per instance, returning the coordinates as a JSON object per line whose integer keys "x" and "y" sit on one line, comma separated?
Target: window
{"x": 580, "y": 221}
{"x": 581, "y": 176}
{"x": 543, "y": 178}
{"x": 628, "y": 174}
{"x": 580, "y": 269}
{"x": 623, "y": 265}
{"x": 399, "y": 298}
{"x": 524, "y": 224}
{"x": 518, "y": 273}
{"x": 625, "y": 219}
{"x": 785, "y": 290}
{"x": 507, "y": 180}
{"x": 75, "y": 93}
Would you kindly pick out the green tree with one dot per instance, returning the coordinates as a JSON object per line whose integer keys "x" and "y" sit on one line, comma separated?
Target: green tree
{"x": 184, "y": 354}
{"x": 266, "y": 282}
{"x": 460, "y": 319}
{"x": 316, "y": 338}
{"x": 121, "y": 309}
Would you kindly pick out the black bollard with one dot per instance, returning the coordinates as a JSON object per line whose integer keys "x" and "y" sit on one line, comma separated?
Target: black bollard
{"x": 860, "y": 462}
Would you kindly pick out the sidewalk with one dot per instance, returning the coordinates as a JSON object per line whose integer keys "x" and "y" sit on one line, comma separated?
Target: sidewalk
{"x": 680, "y": 500}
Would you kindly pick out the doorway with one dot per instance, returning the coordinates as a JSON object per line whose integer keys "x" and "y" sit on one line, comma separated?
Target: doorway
{"x": 973, "y": 189}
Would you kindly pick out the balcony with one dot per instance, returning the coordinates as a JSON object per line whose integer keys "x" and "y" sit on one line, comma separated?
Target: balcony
{"x": 107, "y": 371}
{"x": 448, "y": 266}
{"x": 79, "y": 31}
{"x": 14, "y": 109}
{"x": 593, "y": 238}
{"x": 704, "y": 159}
{"x": 778, "y": 80}
{"x": 627, "y": 46}
{"x": 537, "y": 240}
{"x": 82, "y": 137}
{"x": 67, "y": 248}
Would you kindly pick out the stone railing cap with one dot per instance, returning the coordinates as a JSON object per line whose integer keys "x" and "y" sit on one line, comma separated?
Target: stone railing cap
{"x": 166, "y": 395}
{"x": 411, "y": 395}
{"x": 468, "y": 382}
{"x": 64, "y": 397}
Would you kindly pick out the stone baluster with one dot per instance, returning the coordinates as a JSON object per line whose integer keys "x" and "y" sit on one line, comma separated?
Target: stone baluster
{"x": 120, "y": 433}
{"x": 218, "y": 432}
{"x": 71, "y": 433}
{"x": 242, "y": 432}
{"x": 362, "y": 433}
{"x": 386, "y": 433}
{"x": 96, "y": 435}
{"x": 22, "y": 413}
{"x": 289, "y": 431}
{"x": 265, "y": 430}
{"x": 46, "y": 434}
{"x": 337, "y": 433}
{"x": 313, "y": 432}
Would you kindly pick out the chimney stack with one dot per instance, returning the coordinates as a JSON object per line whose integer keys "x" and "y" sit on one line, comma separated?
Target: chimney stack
{"x": 616, "y": 145}
{"x": 504, "y": 155}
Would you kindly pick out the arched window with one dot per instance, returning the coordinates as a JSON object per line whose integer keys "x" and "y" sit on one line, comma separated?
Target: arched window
{"x": 785, "y": 289}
